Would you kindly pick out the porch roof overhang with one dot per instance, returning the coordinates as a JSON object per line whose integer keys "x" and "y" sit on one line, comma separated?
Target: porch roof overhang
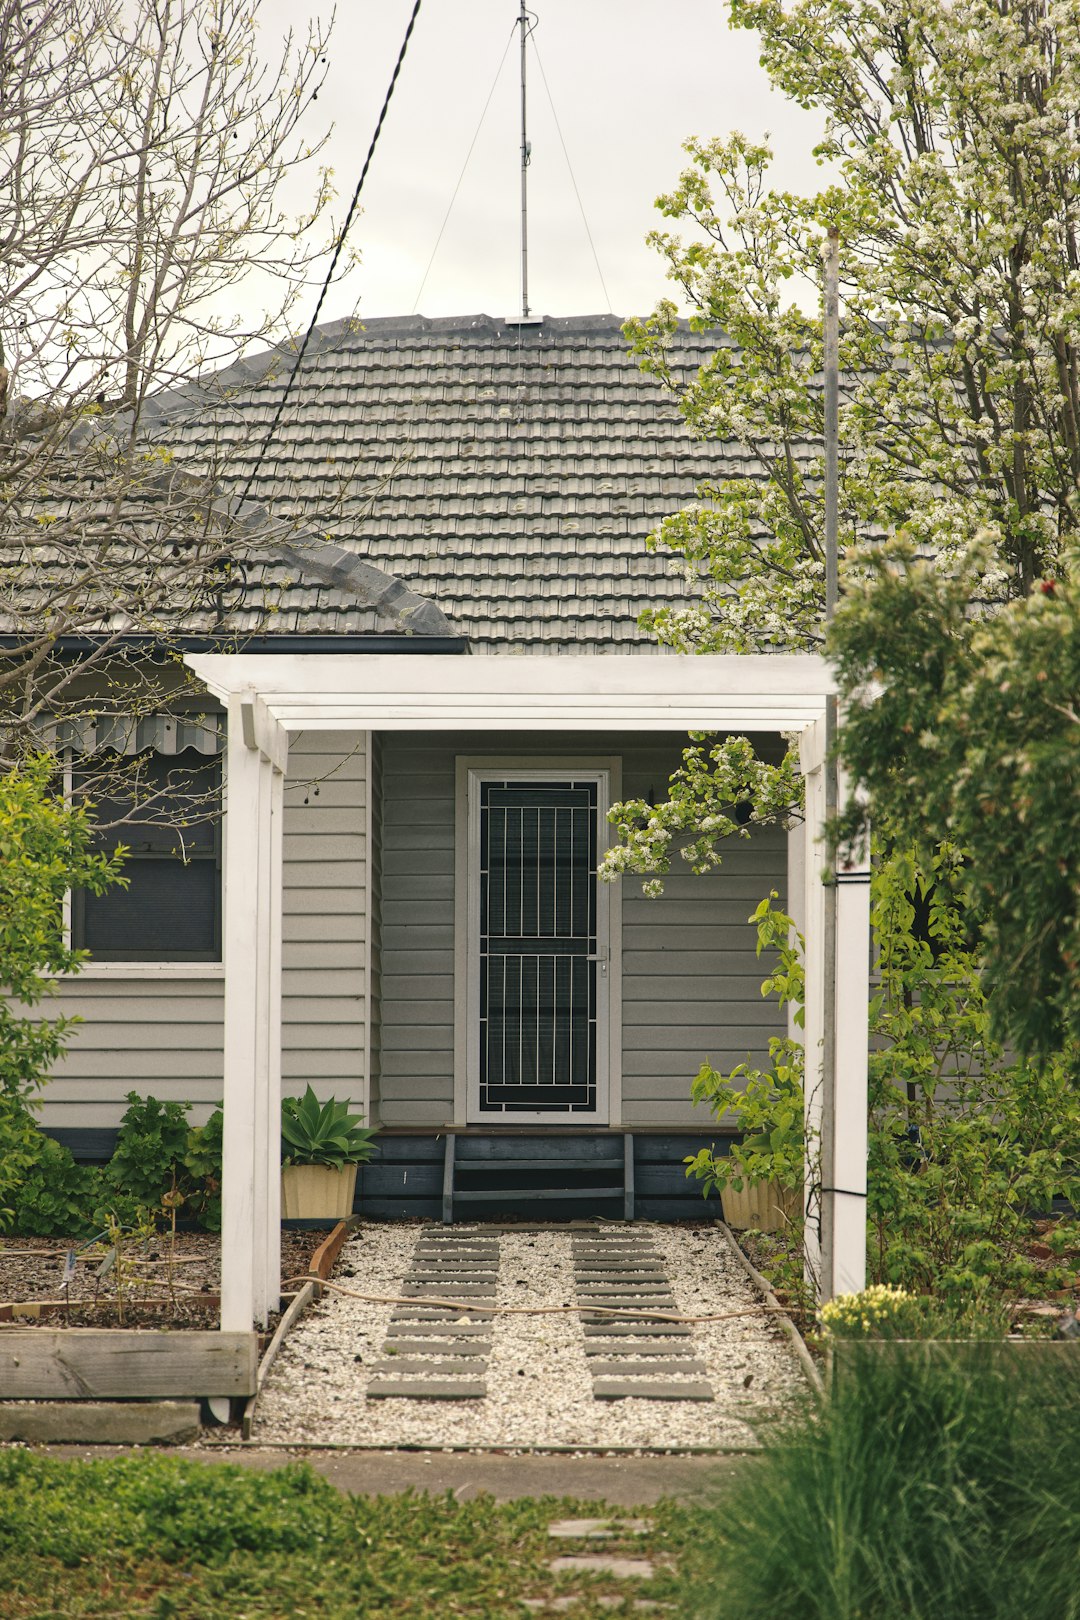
{"x": 533, "y": 692}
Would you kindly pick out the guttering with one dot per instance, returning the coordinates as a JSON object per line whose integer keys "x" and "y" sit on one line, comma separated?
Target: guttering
{"x": 255, "y": 644}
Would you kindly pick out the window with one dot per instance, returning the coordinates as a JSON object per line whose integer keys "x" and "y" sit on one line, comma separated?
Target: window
{"x": 170, "y": 823}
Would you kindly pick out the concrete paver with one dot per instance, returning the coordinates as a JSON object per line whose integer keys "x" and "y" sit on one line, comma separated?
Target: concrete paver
{"x": 615, "y": 1481}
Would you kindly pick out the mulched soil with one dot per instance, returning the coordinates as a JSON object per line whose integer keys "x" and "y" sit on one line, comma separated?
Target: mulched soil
{"x": 166, "y": 1283}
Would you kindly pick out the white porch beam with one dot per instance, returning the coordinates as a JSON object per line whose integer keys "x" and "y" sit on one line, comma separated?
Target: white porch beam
{"x": 497, "y": 692}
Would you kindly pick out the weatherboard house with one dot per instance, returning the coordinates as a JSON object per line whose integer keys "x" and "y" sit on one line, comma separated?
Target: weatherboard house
{"x": 429, "y": 693}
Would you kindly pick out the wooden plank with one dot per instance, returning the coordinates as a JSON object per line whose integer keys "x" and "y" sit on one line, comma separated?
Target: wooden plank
{"x": 448, "y": 1181}
{"x": 432, "y": 1389}
{"x": 415, "y": 1036}
{"x": 673, "y": 1147}
{"x": 742, "y": 1005}
{"x": 516, "y": 1195}
{"x": 321, "y": 981}
{"x": 117, "y": 1364}
{"x": 669, "y": 1181}
{"x": 438, "y": 1070}
{"x": 324, "y": 845}
{"x": 401, "y": 1209}
{"x": 707, "y": 938}
{"x": 416, "y": 959}
{"x": 101, "y": 1034}
{"x": 322, "y": 1261}
{"x": 327, "y": 1070}
{"x": 652, "y": 1108}
{"x": 400, "y": 1181}
{"x": 567, "y": 1150}
{"x": 420, "y": 934}
{"x": 623, "y": 1389}
{"x": 695, "y": 1041}
{"x": 413, "y": 1148}
{"x": 326, "y": 926}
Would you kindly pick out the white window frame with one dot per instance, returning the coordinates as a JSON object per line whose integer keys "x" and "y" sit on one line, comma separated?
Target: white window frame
{"x": 606, "y": 773}
{"x": 92, "y": 969}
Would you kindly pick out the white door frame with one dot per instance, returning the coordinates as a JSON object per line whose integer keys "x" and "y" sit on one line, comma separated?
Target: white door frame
{"x": 532, "y": 770}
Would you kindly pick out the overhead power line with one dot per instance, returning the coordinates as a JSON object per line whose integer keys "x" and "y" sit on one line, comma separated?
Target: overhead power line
{"x": 338, "y": 247}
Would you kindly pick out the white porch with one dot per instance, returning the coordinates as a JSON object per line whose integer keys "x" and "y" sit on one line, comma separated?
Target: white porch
{"x": 272, "y": 697}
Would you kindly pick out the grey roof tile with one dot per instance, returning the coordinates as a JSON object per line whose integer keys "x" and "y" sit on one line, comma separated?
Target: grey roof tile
{"x": 509, "y": 474}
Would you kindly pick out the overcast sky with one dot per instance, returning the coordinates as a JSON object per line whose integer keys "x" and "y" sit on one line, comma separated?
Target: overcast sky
{"x": 629, "y": 79}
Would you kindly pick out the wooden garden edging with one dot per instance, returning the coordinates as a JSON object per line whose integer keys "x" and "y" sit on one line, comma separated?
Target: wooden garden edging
{"x": 38, "y": 1364}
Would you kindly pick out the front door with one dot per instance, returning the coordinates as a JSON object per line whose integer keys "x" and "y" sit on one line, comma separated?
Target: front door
{"x": 538, "y": 978}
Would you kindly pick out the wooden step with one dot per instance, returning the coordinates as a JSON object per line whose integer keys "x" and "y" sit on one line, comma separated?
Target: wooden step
{"x": 565, "y": 1168}
{"x": 579, "y": 1165}
{"x": 489, "y": 1195}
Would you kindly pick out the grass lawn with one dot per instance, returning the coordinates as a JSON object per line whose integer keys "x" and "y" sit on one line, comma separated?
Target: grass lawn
{"x": 154, "y": 1538}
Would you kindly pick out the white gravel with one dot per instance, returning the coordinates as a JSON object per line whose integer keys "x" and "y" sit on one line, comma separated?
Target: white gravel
{"x": 539, "y": 1389}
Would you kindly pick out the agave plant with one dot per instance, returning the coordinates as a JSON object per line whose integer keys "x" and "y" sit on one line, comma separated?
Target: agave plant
{"x": 322, "y": 1133}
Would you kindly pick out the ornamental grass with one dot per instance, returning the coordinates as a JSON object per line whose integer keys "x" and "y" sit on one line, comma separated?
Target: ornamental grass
{"x": 927, "y": 1487}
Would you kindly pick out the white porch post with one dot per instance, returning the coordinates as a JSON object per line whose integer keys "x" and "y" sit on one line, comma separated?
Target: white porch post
{"x": 836, "y": 1101}
{"x": 812, "y": 760}
{"x": 250, "y": 1217}
{"x": 847, "y": 1150}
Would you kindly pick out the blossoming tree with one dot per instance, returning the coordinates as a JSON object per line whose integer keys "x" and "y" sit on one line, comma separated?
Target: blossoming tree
{"x": 952, "y": 162}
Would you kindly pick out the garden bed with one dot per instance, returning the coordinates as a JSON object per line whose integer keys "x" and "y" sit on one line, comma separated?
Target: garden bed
{"x": 117, "y": 1347}
{"x": 1038, "y": 1313}
{"x": 171, "y": 1284}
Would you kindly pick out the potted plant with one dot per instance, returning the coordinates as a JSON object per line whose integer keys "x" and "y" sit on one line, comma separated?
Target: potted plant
{"x": 321, "y": 1146}
{"x": 760, "y": 1178}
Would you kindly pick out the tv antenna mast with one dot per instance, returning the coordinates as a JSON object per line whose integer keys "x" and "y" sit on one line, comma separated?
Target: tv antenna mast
{"x": 526, "y": 22}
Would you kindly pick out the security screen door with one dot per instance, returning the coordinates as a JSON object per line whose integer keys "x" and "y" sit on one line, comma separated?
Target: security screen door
{"x": 539, "y": 957}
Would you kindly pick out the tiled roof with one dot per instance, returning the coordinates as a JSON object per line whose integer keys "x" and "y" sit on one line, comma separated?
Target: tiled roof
{"x": 509, "y": 473}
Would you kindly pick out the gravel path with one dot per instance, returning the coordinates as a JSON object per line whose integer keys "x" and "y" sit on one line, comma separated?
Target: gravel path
{"x": 539, "y": 1386}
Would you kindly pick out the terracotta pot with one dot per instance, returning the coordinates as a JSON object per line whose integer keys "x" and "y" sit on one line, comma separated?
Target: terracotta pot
{"x": 767, "y": 1207}
{"x": 317, "y": 1192}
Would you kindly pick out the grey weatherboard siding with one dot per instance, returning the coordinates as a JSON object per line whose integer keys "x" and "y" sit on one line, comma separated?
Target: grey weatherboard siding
{"x": 163, "y": 1035}
{"x": 691, "y": 979}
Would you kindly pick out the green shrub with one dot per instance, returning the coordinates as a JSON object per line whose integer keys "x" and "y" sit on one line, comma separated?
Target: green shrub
{"x": 202, "y": 1161}
{"x": 965, "y": 1146}
{"x": 923, "y": 1489}
{"x": 156, "y": 1505}
{"x": 56, "y": 1197}
{"x": 159, "y": 1167}
{"x": 148, "y": 1160}
{"x": 44, "y": 853}
{"x": 883, "y": 1312}
{"x": 768, "y": 1102}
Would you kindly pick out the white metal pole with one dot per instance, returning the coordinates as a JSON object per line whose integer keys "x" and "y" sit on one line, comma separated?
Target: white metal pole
{"x": 523, "y": 20}
{"x": 830, "y": 255}
{"x": 845, "y": 921}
